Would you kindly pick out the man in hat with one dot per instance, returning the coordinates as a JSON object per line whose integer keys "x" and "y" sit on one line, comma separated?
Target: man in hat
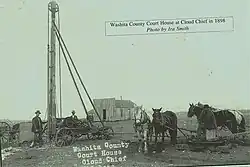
{"x": 73, "y": 115}
{"x": 200, "y": 105}
{"x": 37, "y": 129}
{"x": 207, "y": 119}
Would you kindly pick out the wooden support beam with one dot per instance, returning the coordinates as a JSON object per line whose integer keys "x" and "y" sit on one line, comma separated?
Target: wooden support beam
{"x": 1, "y": 159}
{"x": 233, "y": 136}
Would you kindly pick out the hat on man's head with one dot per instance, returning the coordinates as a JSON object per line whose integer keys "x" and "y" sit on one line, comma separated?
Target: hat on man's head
{"x": 73, "y": 112}
{"x": 199, "y": 104}
{"x": 206, "y": 106}
{"x": 37, "y": 112}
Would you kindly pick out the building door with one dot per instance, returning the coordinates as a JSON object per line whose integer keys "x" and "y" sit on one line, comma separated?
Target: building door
{"x": 121, "y": 113}
{"x": 129, "y": 112}
{"x": 104, "y": 114}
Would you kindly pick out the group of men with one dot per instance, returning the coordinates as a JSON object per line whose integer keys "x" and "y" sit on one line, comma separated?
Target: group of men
{"x": 37, "y": 128}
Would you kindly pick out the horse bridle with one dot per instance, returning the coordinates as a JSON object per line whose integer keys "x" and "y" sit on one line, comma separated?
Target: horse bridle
{"x": 193, "y": 112}
{"x": 140, "y": 123}
{"x": 138, "y": 119}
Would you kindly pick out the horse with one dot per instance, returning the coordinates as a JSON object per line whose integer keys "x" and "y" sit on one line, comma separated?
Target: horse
{"x": 232, "y": 119}
{"x": 163, "y": 122}
{"x": 143, "y": 127}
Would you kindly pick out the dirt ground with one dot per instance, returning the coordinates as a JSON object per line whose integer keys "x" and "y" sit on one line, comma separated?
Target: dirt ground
{"x": 161, "y": 155}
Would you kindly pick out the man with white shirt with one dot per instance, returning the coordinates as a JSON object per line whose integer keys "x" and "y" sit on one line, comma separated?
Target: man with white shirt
{"x": 73, "y": 115}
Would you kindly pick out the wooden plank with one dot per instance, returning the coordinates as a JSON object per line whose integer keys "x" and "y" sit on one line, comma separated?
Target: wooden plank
{"x": 124, "y": 133}
{"x": 206, "y": 142}
{"x": 235, "y": 135}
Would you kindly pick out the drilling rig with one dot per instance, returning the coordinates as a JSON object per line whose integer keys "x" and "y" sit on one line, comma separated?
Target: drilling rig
{"x": 53, "y": 8}
{"x": 53, "y": 36}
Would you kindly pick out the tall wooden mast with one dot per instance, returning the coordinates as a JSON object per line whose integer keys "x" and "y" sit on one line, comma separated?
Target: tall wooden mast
{"x": 53, "y": 8}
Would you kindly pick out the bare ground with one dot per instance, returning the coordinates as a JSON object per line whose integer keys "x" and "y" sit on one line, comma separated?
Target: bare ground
{"x": 162, "y": 155}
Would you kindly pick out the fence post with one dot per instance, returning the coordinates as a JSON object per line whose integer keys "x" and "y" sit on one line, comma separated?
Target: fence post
{"x": 1, "y": 160}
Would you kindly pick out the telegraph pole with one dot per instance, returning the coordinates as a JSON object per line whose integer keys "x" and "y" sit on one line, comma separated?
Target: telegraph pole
{"x": 53, "y": 8}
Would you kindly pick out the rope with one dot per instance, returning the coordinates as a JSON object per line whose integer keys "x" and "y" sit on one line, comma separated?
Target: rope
{"x": 79, "y": 77}
{"x": 69, "y": 68}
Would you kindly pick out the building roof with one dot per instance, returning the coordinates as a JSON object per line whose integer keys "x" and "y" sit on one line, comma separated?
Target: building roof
{"x": 124, "y": 104}
{"x": 118, "y": 103}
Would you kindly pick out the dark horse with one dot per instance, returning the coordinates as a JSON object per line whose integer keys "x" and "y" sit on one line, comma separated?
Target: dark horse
{"x": 232, "y": 119}
{"x": 163, "y": 122}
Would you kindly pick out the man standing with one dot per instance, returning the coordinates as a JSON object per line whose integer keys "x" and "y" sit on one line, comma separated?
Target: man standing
{"x": 37, "y": 129}
{"x": 208, "y": 121}
{"x": 73, "y": 115}
{"x": 201, "y": 131}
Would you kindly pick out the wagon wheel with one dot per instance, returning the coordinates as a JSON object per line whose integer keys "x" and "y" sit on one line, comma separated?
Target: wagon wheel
{"x": 92, "y": 133}
{"x": 5, "y": 127}
{"x": 91, "y": 136}
{"x": 5, "y": 130}
{"x": 108, "y": 132}
{"x": 64, "y": 137}
{"x": 5, "y": 138}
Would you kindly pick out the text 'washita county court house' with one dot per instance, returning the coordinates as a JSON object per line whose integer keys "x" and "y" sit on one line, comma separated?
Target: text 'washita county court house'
{"x": 111, "y": 109}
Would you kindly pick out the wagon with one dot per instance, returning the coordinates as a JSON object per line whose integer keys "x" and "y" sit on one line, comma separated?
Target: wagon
{"x": 5, "y": 130}
{"x": 18, "y": 133}
{"x": 71, "y": 129}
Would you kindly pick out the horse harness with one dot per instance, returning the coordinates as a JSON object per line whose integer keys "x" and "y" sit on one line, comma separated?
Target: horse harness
{"x": 168, "y": 121}
{"x": 144, "y": 120}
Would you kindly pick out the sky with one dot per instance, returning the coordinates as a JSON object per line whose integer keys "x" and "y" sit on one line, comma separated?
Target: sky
{"x": 168, "y": 71}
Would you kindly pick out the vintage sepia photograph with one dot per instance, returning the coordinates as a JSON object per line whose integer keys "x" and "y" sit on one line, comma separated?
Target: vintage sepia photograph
{"x": 90, "y": 83}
